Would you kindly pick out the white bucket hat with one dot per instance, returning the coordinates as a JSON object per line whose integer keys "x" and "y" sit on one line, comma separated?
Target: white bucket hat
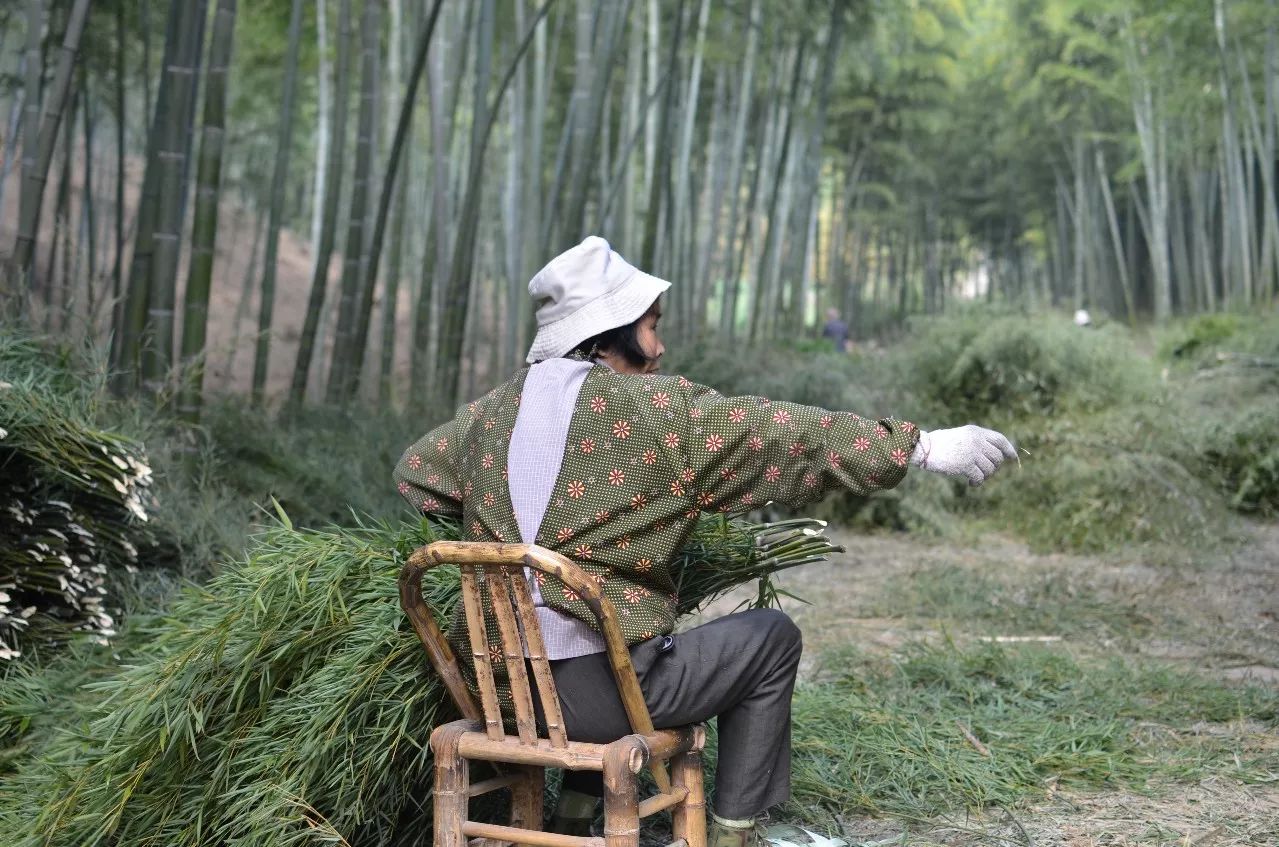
{"x": 584, "y": 291}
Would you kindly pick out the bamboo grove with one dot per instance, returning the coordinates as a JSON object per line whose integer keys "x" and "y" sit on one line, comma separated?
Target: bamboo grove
{"x": 403, "y": 168}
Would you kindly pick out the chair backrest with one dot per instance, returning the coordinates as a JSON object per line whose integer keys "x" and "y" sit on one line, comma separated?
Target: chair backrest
{"x": 498, "y": 570}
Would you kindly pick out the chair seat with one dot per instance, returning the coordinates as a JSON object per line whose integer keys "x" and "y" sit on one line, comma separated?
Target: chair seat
{"x": 658, "y": 745}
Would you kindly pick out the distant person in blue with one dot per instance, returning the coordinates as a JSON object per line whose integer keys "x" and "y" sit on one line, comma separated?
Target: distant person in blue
{"x": 836, "y": 330}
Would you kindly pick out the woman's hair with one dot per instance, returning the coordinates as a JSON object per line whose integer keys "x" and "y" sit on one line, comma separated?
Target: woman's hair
{"x": 622, "y": 340}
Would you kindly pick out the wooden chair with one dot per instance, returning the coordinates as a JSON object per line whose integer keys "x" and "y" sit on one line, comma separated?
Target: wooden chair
{"x": 481, "y": 736}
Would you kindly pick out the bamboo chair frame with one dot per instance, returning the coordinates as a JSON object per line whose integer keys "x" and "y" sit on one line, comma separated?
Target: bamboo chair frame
{"x": 480, "y": 735}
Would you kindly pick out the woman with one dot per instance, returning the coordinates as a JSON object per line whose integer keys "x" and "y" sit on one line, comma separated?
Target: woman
{"x": 594, "y": 454}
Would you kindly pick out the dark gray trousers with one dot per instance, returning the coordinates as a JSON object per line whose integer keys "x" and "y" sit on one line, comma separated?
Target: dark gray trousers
{"x": 739, "y": 669}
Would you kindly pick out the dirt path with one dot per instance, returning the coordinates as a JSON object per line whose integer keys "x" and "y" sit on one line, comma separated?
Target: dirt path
{"x": 1218, "y": 615}
{"x": 1221, "y": 615}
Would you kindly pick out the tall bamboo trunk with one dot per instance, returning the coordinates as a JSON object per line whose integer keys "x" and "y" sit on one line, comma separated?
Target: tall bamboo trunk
{"x": 121, "y": 121}
{"x": 767, "y": 302}
{"x": 437, "y": 252}
{"x": 1112, "y": 221}
{"x": 373, "y": 258}
{"x": 172, "y": 155}
{"x": 204, "y": 227}
{"x": 513, "y": 201}
{"x": 711, "y": 202}
{"x": 455, "y": 319}
{"x": 56, "y": 291}
{"x": 682, "y": 199}
{"x": 88, "y": 223}
{"x": 132, "y": 328}
{"x": 811, "y": 183}
{"x": 323, "y": 125}
{"x": 332, "y": 197}
{"x": 658, "y": 185}
{"x": 1152, "y": 137}
{"x": 34, "y": 177}
{"x": 394, "y": 274}
{"x": 17, "y": 107}
{"x": 13, "y": 283}
{"x": 611, "y": 24}
{"x": 735, "y": 173}
{"x": 342, "y": 377}
{"x": 279, "y": 179}
{"x": 251, "y": 270}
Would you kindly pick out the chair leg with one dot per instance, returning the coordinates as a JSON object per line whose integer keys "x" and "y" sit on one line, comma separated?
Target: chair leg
{"x": 689, "y": 817}
{"x": 621, "y": 794}
{"x": 527, "y": 797}
{"x": 452, "y": 779}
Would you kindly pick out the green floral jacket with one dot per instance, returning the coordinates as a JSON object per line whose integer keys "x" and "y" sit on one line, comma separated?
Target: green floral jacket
{"x": 645, "y": 454}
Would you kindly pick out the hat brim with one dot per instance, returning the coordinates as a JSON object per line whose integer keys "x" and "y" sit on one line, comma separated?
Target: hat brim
{"x": 624, "y": 304}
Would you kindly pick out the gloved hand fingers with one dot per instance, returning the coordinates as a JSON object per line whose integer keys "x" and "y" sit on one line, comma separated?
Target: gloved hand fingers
{"x": 975, "y": 475}
{"x": 992, "y": 454}
{"x": 1001, "y": 443}
{"x": 986, "y": 466}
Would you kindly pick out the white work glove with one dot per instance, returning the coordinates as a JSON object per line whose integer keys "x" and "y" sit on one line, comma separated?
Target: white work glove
{"x": 971, "y": 451}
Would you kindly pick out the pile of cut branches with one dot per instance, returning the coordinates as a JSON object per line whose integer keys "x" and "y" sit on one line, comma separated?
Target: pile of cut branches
{"x": 288, "y": 701}
{"x": 73, "y": 503}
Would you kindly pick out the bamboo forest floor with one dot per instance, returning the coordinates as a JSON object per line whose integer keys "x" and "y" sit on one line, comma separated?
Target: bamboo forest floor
{"x": 1216, "y": 616}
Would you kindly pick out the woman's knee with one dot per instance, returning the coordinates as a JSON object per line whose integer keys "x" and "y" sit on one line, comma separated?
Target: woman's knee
{"x": 779, "y": 628}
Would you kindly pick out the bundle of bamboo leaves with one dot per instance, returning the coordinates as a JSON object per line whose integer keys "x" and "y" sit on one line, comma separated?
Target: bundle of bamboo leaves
{"x": 288, "y": 702}
{"x": 73, "y": 504}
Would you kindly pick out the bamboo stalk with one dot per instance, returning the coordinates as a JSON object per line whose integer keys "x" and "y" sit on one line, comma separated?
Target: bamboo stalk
{"x": 204, "y": 227}
{"x": 41, "y": 156}
{"x": 333, "y": 188}
{"x": 279, "y": 178}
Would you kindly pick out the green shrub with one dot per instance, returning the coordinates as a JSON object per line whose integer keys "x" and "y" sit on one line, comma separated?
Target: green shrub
{"x": 1241, "y": 450}
{"x": 1229, "y": 420}
{"x": 320, "y": 464}
{"x": 1099, "y": 483}
{"x": 994, "y": 368}
{"x": 1210, "y": 339}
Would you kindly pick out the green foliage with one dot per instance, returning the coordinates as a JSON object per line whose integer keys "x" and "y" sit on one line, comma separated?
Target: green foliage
{"x": 887, "y": 737}
{"x": 1114, "y": 450}
{"x": 74, "y": 499}
{"x": 1098, "y": 483}
{"x": 994, "y": 368}
{"x": 1114, "y": 453}
{"x": 1234, "y": 435}
{"x": 320, "y": 464}
{"x": 285, "y": 702}
{"x": 1201, "y": 335}
{"x": 291, "y": 668}
{"x": 1226, "y": 404}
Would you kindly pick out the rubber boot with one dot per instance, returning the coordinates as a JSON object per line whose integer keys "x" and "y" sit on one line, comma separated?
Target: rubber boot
{"x": 722, "y": 834}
